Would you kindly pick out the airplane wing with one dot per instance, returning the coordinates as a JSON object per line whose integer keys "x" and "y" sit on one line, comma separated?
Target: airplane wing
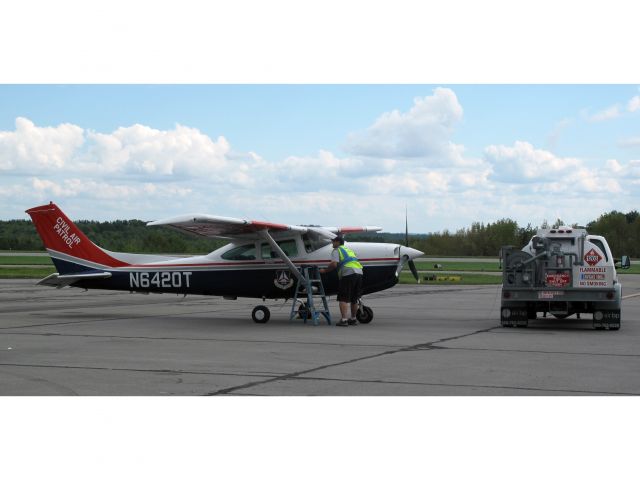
{"x": 229, "y": 228}
{"x": 222, "y": 227}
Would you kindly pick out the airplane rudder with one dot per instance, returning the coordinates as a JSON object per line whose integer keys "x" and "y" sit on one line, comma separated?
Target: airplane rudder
{"x": 59, "y": 233}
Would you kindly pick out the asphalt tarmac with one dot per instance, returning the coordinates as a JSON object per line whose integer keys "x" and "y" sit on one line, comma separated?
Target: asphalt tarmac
{"x": 424, "y": 340}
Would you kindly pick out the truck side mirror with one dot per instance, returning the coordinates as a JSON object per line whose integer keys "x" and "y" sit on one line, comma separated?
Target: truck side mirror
{"x": 625, "y": 262}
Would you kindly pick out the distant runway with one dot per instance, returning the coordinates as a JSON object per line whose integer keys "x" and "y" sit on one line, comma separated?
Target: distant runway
{"x": 424, "y": 340}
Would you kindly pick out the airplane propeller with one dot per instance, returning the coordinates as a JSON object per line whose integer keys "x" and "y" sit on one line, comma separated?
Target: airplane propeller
{"x": 412, "y": 266}
{"x": 404, "y": 259}
{"x": 414, "y": 270}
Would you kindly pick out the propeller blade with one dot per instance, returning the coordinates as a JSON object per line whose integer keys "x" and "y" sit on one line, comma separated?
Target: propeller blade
{"x": 406, "y": 227}
{"x": 401, "y": 263}
{"x": 414, "y": 270}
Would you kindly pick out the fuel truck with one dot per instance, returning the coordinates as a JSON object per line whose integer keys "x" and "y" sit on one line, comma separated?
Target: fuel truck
{"x": 561, "y": 272}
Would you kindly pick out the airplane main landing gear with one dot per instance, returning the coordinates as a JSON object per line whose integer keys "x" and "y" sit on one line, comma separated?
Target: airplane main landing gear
{"x": 303, "y": 311}
{"x": 261, "y": 314}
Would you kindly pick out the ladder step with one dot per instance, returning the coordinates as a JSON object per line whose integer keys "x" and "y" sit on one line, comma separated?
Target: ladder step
{"x": 306, "y": 289}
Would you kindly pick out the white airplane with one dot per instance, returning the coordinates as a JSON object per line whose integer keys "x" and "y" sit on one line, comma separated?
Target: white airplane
{"x": 262, "y": 260}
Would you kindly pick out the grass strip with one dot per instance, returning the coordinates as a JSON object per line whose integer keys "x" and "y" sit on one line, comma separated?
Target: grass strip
{"x": 17, "y": 272}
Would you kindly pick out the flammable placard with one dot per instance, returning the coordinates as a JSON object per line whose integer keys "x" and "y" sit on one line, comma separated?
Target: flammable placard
{"x": 593, "y": 277}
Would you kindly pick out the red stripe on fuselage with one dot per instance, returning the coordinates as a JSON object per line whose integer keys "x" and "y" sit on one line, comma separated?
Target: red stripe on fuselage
{"x": 251, "y": 262}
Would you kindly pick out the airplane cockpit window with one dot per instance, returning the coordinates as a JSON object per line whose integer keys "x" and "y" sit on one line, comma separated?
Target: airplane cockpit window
{"x": 243, "y": 252}
{"x": 289, "y": 247}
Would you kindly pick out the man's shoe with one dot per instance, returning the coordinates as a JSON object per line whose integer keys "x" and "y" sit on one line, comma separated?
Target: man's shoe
{"x": 352, "y": 321}
{"x": 342, "y": 323}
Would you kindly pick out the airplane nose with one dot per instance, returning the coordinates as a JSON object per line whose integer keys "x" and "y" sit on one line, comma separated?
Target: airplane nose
{"x": 412, "y": 252}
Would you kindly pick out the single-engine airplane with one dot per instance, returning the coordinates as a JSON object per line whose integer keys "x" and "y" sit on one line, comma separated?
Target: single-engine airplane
{"x": 262, "y": 260}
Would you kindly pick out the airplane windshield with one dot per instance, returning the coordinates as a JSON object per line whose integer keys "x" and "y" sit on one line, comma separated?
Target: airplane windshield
{"x": 243, "y": 252}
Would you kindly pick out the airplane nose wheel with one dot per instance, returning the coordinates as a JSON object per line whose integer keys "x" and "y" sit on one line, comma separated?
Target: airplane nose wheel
{"x": 260, "y": 314}
{"x": 364, "y": 314}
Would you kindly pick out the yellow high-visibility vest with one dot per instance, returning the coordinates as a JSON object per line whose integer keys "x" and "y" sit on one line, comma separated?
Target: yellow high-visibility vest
{"x": 348, "y": 259}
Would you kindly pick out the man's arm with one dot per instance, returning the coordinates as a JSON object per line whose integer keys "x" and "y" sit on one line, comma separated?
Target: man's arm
{"x": 332, "y": 266}
{"x": 335, "y": 257}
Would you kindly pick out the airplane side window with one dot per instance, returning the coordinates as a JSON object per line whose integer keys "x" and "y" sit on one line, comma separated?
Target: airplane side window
{"x": 243, "y": 252}
{"x": 266, "y": 252}
{"x": 289, "y": 247}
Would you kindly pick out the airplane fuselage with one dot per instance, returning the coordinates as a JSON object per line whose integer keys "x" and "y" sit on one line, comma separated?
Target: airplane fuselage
{"x": 254, "y": 277}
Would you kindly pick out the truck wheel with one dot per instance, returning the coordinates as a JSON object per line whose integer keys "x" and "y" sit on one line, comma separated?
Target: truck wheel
{"x": 616, "y": 326}
{"x": 603, "y": 319}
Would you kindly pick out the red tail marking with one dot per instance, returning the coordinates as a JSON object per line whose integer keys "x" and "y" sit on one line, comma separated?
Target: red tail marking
{"x": 61, "y": 234}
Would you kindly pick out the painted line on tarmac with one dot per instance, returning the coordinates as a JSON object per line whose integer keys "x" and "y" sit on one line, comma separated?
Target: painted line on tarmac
{"x": 631, "y": 296}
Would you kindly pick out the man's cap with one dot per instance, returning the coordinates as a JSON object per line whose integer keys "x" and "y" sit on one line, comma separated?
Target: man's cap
{"x": 338, "y": 238}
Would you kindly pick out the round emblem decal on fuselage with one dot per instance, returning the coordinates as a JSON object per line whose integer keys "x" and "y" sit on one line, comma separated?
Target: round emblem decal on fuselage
{"x": 283, "y": 279}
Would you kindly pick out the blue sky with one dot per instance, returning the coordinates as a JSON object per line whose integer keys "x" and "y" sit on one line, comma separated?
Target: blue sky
{"x": 302, "y": 153}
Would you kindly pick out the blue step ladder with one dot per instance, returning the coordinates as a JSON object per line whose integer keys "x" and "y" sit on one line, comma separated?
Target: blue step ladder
{"x": 311, "y": 287}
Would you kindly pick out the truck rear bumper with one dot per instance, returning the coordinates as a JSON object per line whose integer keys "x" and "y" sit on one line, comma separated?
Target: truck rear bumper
{"x": 545, "y": 295}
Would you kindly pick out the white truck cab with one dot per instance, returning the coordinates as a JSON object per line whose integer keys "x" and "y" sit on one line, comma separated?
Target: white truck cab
{"x": 561, "y": 271}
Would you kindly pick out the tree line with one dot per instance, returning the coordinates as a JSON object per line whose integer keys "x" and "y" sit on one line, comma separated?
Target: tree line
{"x": 119, "y": 236}
{"x": 622, "y": 231}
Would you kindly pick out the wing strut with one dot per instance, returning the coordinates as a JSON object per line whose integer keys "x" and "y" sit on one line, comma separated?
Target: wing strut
{"x": 276, "y": 248}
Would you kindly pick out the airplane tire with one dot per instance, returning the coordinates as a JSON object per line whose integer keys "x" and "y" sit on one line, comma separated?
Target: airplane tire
{"x": 364, "y": 315}
{"x": 303, "y": 311}
{"x": 261, "y": 314}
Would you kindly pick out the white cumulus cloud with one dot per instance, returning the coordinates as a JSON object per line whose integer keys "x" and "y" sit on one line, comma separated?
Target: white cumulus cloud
{"x": 141, "y": 150}
{"x": 31, "y": 148}
{"x": 137, "y": 150}
{"x": 423, "y": 132}
{"x": 523, "y": 163}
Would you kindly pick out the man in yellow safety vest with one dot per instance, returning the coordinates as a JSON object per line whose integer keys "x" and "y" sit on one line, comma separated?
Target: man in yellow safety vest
{"x": 350, "y": 276}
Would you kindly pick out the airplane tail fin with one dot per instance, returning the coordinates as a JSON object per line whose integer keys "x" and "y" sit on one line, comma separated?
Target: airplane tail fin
{"x": 70, "y": 249}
